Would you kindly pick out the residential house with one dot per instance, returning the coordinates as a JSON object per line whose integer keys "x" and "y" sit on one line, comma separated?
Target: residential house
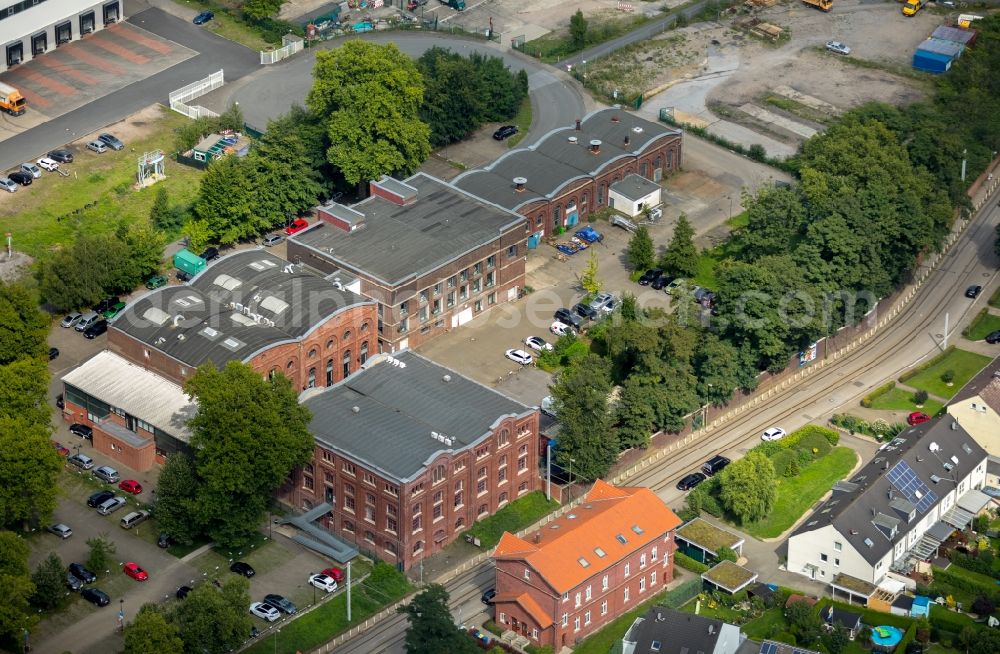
{"x": 977, "y": 408}
{"x": 667, "y": 631}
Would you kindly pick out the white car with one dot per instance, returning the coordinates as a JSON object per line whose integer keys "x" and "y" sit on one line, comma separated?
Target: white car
{"x": 323, "y": 582}
{"x": 265, "y": 611}
{"x": 519, "y": 356}
{"x": 48, "y": 164}
{"x": 31, "y": 169}
{"x": 537, "y": 343}
{"x": 773, "y": 434}
{"x": 560, "y": 329}
{"x": 838, "y": 47}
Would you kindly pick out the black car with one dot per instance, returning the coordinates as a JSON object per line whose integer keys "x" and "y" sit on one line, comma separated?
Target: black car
{"x": 21, "y": 177}
{"x": 183, "y": 276}
{"x": 661, "y": 282}
{"x": 99, "y": 498}
{"x": 241, "y": 568}
{"x": 183, "y": 591}
{"x": 111, "y": 141}
{"x": 203, "y": 17}
{"x": 690, "y": 481}
{"x": 714, "y": 465}
{"x": 649, "y": 276}
{"x": 106, "y": 303}
{"x": 83, "y": 431}
{"x": 973, "y": 291}
{"x": 993, "y": 337}
{"x": 81, "y": 573}
{"x": 96, "y": 329}
{"x": 53, "y": 353}
{"x": 210, "y": 254}
{"x": 60, "y": 403}
{"x": 95, "y": 597}
{"x": 567, "y": 317}
{"x": 585, "y": 311}
{"x": 73, "y": 583}
{"x": 62, "y": 156}
{"x": 281, "y": 603}
{"x": 488, "y": 596}
{"x": 505, "y": 132}
{"x": 163, "y": 541}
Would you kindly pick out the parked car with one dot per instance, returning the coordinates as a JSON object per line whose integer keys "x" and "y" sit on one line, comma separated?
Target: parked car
{"x": 97, "y": 146}
{"x": 60, "y": 449}
{"x": 155, "y": 282}
{"x": 281, "y": 603}
{"x": 81, "y": 461}
{"x": 323, "y": 582}
{"x": 109, "y": 506}
{"x": 773, "y": 434}
{"x": 333, "y": 572}
{"x": 210, "y": 254}
{"x": 537, "y": 343}
{"x": 51, "y": 163}
{"x": 519, "y": 356}
{"x": 106, "y": 474}
{"x": 297, "y": 226}
{"x": 505, "y": 132}
{"x": 132, "y": 519}
{"x": 690, "y": 481}
{"x": 241, "y": 568}
{"x": 567, "y": 317}
{"x": 714, "y": 465}
{"x": 917, "y": 417}
{"x": 203, "y": 17}
{"x": 703, "y": 296}
{"x": 131, "y": 486}
{"x": 60, "y": 530}
{"x": 163, "y": 541}
{"x": 838, "y": 47}
{"x": 973, "y": 291}
{"x": 560, "y": 328}
{"x": 183, "y": 276}
{"x": 661, "y": 282}
{"x": 8, "y": 184}
{"x": 265, "y": 611}
{"x": 604, "y": 302}
{"x": 993, "y": 337}
{"x": 96, "y": 329}
{"x": 113, "y": 310}
{"x": 60, "y": 403}
{"x": 133, "y": 570}
{"x": 273, "y": 239}
{"x": 82, "y": 573}
{"x": 182, "y": 592}
{"x": 53, "y": 353}
{"x": 488, "y": 596}
{"x": 31, "y": 169}
{"x": 649, "y": 276}
{"x": 21, "y": 177}
{"x": 61, "y": 155}
{"x": 111, "y": 141}
{"x": 99, "y": 498}
{"x": 96, "y": 597}
{"x": 107, "y": 303}
{"x": 585, "y": 311}
{"x": 83, "y": 431}
{"x": 73, "y": 583}
{"x": 71, "y": 319}
{"x": 86, "y": 320}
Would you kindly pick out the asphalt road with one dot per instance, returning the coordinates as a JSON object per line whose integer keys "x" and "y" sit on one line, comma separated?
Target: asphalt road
{"x": 214, "y": 51}
{"x": 555, "y": 99}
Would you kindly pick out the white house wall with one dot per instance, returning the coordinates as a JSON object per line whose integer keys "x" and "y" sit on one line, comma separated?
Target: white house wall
{"x": 43, "y": 17}
{"x": 729, "y": 639}
{"x": 981, "y": 421}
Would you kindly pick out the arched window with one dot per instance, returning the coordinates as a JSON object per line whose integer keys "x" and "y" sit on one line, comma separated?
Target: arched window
{"x": 329, "y": 372}
{"x": 644, "y": 169}
{"x": 291, "y": 364}
{"x": 364, "y": 352}
{"x": 419, "y": 545}
{"x": 272, "y": 373}
{"x": 330, "y": 343}
{"x": 312, "y": 353}
{"x": 347, "y": 335}
{"x": 600, "y": 193}
{"x": 438, "y": 474}
{"x": 311, "y": 383}
{"x": 364, "y": 328}
{"x": 347, "y": 363}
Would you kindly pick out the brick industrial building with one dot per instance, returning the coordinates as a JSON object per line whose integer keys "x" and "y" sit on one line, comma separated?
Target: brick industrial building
{"x": 409, "y": 454}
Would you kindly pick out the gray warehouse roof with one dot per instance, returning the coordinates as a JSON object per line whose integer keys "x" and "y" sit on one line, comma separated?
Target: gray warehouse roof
{"x": 902, "y": 484}
{"x": 398, "y": 412}
{"x": 400, "y": 242}
{"x": 239, "y": 305}
{"x": 562, "y": 156}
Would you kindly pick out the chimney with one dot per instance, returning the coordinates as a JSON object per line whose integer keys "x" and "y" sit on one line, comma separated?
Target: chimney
{"x": 595, "y": 147}
{"x": 538, "y": 537}
{"x": 711, "y": 630}
{"x": 578, "y": 124}
{"x": 519, "y": 183}
{"x": 626, "y": 140}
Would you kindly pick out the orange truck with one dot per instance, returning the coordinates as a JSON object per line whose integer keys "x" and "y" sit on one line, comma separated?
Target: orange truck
{"x": 11, "y": 100}
{"x": 823, "y": 5}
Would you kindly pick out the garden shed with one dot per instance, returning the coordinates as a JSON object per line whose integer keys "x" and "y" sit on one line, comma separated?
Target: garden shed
{"x": 701, "y": 540}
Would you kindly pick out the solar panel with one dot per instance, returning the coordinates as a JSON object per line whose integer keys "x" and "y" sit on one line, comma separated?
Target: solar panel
{"x": 768, "y": 648}
{"x": 902, "y": 477}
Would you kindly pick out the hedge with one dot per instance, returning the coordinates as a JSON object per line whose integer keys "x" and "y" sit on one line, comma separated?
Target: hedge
{"x": 965, "y": 583}
{"x": 913, "y": 372}
{"x": 686, "y": 562}
{"x": 944, "y": 620}
{"x": 867, "y": 400}
{"x": 908, "y": 637}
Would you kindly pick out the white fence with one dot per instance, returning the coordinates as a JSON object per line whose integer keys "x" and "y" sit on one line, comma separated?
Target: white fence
{"x": 290, "y": 45}
{"x": 179, "y": 99}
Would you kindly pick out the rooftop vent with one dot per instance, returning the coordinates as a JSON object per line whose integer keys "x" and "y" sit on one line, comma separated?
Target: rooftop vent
{"x": 954, "y": 426}
{"x": 519, "y": 183}
{"x": 637, "y": 129}
{"x": 935, "y": 479}
{"x": 933, "y": 447}
{"x": 966, "y": 448}
{"x": 954, "y": 459}
{"x": 447, "y": 378}
{"x": 595, "y": 146}
{"x": 572, "y": 139}
{"x": 869, "y": 543}
{"x": 356, "y": 409}
{"x": 626, "y": 140}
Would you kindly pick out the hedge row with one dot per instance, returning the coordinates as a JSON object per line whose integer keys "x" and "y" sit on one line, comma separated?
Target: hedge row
{"x": 913, "y": 372}
{"x": 686, "y": 562}
{"x": 961, "y": 582}
{"x": 908, "y": 638}
{"x": 944, "y": 620}
{"x": 869, "y": 399}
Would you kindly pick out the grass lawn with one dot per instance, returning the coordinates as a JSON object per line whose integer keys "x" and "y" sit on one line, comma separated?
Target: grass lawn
{"x": 899, "y": 399}
{"x": 739, "y": 221}
{"x": 994, "y": 300}
{"x": 515, "y": 516}
{"x": 41, "y": 217}
{"x": 762, "y": 627}
{"x": 263, "y": 555}
{"x": 227, "y": 26}
{"x": 984, "y": 324}
{"x": 707, "y": 261}
{"x": 964, "y": 364}
{"x": 797, "y": 494}
{"x": 523, "y": 122}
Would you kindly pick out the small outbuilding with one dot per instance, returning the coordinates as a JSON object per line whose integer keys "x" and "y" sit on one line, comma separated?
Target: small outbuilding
{"x": 701, "y": 540}
{"x": 189, "y": 262}
{"x": 729, "y": 577}
{"x": 833, "y": 616}
{"x": 955, "y": 34}
{"x": 634, "y": 194}
{"x": 936, "y": 55}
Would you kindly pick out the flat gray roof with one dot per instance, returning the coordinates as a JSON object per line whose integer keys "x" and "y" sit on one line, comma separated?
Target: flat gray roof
{"x": 395, "y": 414}
{"x": 562, "y": 156}
{"x": 634, "y": 187}
{"x": 401, "y": 242}
{"x": 238, "y": 305}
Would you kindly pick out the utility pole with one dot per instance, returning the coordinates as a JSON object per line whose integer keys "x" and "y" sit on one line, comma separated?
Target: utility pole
{"x": 548, "y": 470}
{"x": 348, "y": 592}
{"x": 945, "y": 341}
{"x": 964, "y": 152}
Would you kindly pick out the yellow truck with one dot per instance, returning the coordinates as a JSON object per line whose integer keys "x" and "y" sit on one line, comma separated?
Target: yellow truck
{"x": 11, "y": 100}
{"x": 911, "y": 7}
{"x": 824, "y": 5}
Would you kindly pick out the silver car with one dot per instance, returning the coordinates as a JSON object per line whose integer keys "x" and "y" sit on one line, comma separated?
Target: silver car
{"x": 97, "y": 146}
{"x": 7, "y": 184}
{"x": 273, "y": 239}
{"x": 82, "y": 461}
{"x": 61, "y": 530}
{"x": 108, "y": 507}
{"x": 31, "y": 169}
{"x": 71, "y": 319}
{"x": 838, "y": 47}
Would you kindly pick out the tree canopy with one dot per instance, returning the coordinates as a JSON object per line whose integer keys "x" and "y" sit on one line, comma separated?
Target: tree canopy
{"x": 18, "y": 587}
{"x": 748, "y": 487}
{"x": 151, "y": 631}
{"x": 581, "y": 402}
{"x": 431, "y": 628}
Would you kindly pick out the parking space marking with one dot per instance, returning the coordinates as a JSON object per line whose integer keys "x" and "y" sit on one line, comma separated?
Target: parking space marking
{"x": 122, "y": 52}
{"x": 46, "y": 82}
{"x": 67, "y": 69}
{"x": 133, "y": 34}
{"x": 97, "y": 62}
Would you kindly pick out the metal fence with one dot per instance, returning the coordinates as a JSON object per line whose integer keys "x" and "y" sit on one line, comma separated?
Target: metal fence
{"x": 290, "y": 45}
{"x": 179, "y": 99}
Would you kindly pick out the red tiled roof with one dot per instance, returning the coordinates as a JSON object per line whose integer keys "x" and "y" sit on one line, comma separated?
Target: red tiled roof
{"x": 528, "y": 603}
{"x": 565, "y": 554}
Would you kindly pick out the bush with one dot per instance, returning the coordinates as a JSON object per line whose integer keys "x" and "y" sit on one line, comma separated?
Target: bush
{"x": 983, "y": 605}
{"x": 686, "y": 562}
{"x": 983, "y": 564}
{"x": 948, "y": 376}
{"x": 867, "y": 400}
{"x": 920, "y": 397}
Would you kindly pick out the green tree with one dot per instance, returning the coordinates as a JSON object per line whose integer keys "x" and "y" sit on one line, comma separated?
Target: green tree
{"x": 227, "y": 201}
{"x": 948, "y": 377}
{"x": 503, "y": 90}
{"x": 175, "y": 499}
{"x": 85, "y": 272}
{"x": 987, "y": 642}
{"x": 230, "y": 119}
{"x": 748, "y": 487}
{"x": 589, "y": 279}
{"x": 308, "y": 127}
{"x": 803, "y": 619}
{"x": 257, "y": 422}
{"x": 681, "y": 257}
{"x": 214, "y": 621}
{"x": 152, "y": 631}
{"x": 717, "y": 366}
{"x": 431, "y": 628}
{"x": 23, "y": 328}
{"x": 101, "y": 557}
{"x": 838, "y": 639}
{"x": 24, "y": 387}
{"x": 640, "y": 249}
{"x": 145, "y": 253}
{"x": 581, "y": 402}
{"x": 283, "y": 156}
{"x": 578, "y": 30}
{"x": 17, "y": 587}
{"x": 159, "y": 213}
{"x": 454, "y": 99}
{"x": 261, "y": 9}
{"x": 775, "y": 216}
{"x": 636, "y": 414}
{"x": 50, "y": 583}
{"x": 369, "y": 97}
{"x": 29, "y": 473}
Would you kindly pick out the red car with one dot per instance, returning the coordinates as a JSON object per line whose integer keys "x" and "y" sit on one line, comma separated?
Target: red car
{"x": 297, "y": 226}
{"x": 133, "y": 570}
{"x": 131, "y": 486}
{"x": 334, "y": 573}
{"x": 917, "y": 417}
{"x": 60, "y": 448}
